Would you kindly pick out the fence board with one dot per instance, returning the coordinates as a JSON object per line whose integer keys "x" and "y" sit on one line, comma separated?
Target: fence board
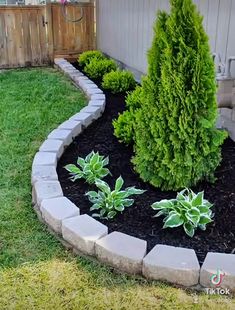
{"x": 71, "y": 39}
{"x": 26, "y": 40}
{"x": 22, "y": 36}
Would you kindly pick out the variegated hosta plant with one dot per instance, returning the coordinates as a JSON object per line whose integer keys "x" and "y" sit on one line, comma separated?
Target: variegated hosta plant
{"x": 188, "y": 209}
{"x": 109, "y": 202}
{"x": 91, "y": 168}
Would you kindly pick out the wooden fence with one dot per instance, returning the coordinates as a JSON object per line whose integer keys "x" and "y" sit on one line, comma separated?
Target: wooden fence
{"x": 34, "y": 35}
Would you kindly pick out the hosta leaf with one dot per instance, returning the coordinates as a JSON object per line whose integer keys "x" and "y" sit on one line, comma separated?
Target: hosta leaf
{"x": 120, "y": 208}
{"x": 89, "y": 156}
{"x": 180, "y": 195}
{"x": 198, "y": 199}
{"x": 203, "y": 209}
{"x": 87, "y": 169}
{"x": 173, "y": 220}
{"x": 81, "y": 162}
{"x": 111, "y": 214}
{"x": 205, "y": 220}
{"x": 191, "y": 195}
{"x": 120, "y": 195}
{"x": 106, "y": 161}
{"x": 97, "y": 167}
{"x": 128, "y": 202}
{"x": 76, "y": 177}
{"x": 134, "y": 191}
{"x": 194, "y": 220}
{"x": 119, "y": 183}
{"x": 94, "y": 159}
{"x": 202, "y": 227}
{"x": 189, "y": 229}
{"x": 185, "y": 204}
{"x": 73, "y": 169}
{"x": 95, "y": 215}
{"x": 207, "y": 204}
{"x": 163, "y": 204}
{"x": 193, "y": 212}
{"x": 103, "y": 186}
{"x": 96, "y": 206}
{"x": 162, "y": 212}
{"x": 193, "y": 215}
{"x": 92, "y": 194}
{"x": 102, "y": 212}
{"x": 104, "y": 171}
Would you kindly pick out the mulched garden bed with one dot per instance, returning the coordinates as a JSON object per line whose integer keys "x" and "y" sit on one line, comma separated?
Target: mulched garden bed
{"x": 138, "y": 220}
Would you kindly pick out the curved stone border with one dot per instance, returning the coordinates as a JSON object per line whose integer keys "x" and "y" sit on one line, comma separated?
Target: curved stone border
{"x": 86, "y": 235}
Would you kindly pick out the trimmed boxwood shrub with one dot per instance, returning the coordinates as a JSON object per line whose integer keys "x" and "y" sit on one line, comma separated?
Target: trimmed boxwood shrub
{"x": 85, "y": 58}
{"x": 124, "y": 125}
{"x": 118, "y": 81}
{"x": 176, "y": 143}
{"x": 97, "y": 68}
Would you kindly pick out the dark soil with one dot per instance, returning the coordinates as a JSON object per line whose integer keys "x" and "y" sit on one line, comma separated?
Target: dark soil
{"x": 138, "y": 220}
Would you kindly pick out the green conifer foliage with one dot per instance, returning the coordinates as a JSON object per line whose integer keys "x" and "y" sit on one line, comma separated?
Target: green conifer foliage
{"x": 176, "y": 143}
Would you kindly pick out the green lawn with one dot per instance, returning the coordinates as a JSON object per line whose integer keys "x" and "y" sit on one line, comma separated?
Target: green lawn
{"x": 36, "y": 272}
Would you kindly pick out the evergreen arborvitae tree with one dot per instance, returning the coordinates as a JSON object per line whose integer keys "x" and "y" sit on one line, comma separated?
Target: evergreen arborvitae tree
{"x": 176, "y": 143}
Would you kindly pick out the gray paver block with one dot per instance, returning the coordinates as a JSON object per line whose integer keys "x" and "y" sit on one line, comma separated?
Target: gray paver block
{"x": 57, "y": 209}
{"x": 58, "y": 61}
{"x": 122, "y": 251}
{"x": 92, "y": 91}
{"x": 43, "y": 173}
{"x": 74, "y": 126}
{"x": 83, "y": 79}
{"x": 46, "y": 190}
{"x": 62, "y": 134}
{"x": 82, "y": 232}
{"x": 227, "y": 113}
{"x": 229, "y": 125}
{"x": 218, "y": 263}
{"x": 85, "y": 118}
{"x": 85, "y": 83}
{"x": 172, "y": 264}
{"x": 233, "y": 111}
{"x": 97, "y": 97}
{"x": 95, "y": 111}
{"x": 97, "y": 103}
{"x": 45, "y": 159}
{"x": 53, "y": 146}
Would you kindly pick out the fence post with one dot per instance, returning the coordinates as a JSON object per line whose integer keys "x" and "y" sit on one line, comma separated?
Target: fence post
{"x": 49, "y": 24}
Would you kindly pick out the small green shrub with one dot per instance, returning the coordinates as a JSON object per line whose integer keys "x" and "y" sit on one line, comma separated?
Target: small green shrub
{"x": 85, "y": 58}
{"x": 124, "y": 125}
{"x": 133, "y": 100}
{"x": 97, "y": 68}
{"x": 188, "y": 209}
{"x": 91, "y": 168}
{"x": 111, "y": 202}
{"x": 118, "y": 81}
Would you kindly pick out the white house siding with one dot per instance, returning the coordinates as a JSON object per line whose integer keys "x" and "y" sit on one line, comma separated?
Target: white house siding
{"x": 124, "y": 28}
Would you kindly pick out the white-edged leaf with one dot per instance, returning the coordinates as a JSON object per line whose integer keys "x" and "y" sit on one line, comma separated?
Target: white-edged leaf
{"x": 173, "y": 220}
{"x": 112, "y": 214}
{"x": 119, "y": 183}
{"x": 163, "y": 204}
{"x": 198, "y": 199}
{"x": 106, "y": 161}
{"x": 73, "y": 169}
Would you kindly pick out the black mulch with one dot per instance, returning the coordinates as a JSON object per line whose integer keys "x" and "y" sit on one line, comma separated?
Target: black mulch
{"x": 138, "y": 220}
